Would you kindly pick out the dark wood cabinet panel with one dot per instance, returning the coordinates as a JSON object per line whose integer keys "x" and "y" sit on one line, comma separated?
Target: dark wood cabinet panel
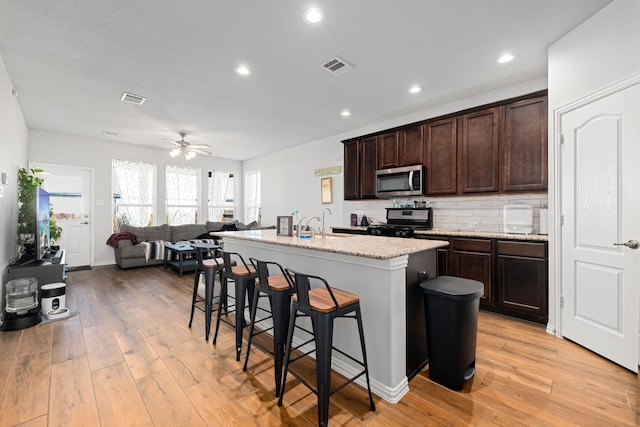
{"x": 410, "y": 146}
{"x": 443, "y": 266}
{"x": 360, "y": 164}
{"x": 441, "y": 160}
{"x": 524, "y": 147}
{"x": 522, "y": 282}
{"x": 479, "y": 151}
{"x": 388, "y": 150}
{"x": 351, "y": 171}
{"x": 476, "y": 266}
{"x": 369, "y": 156}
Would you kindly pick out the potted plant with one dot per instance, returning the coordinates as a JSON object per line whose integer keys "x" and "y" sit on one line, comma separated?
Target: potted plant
{"x": 28, "y": 184}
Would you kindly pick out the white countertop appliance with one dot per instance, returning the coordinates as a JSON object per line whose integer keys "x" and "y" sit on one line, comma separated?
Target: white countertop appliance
{"x": 518, "y": 219}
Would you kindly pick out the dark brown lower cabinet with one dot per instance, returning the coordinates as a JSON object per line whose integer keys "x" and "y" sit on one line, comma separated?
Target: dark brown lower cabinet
{"x": 514, "y": 273}
{"x": 472, "y": 259}
{"x": 522, "y": 280}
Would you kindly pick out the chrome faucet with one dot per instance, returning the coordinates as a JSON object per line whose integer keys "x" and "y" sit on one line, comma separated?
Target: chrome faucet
{"x": 298, "y": 226}
{"x": 309, "y": 220}
{"x": 324, "y": 234}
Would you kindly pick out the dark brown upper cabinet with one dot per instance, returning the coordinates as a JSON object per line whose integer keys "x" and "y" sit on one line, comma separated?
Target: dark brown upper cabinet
{"x": 479, "y": 148}
{"x": 360, "y": 165}
{"x": 441, "y": 160}
{"x": 388, "y": 150}
{"x": 524, "y": 146}
{"x": 411, "y": 146}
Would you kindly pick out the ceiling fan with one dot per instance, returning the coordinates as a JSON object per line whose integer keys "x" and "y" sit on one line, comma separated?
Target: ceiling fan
{"x": 185, "y": 147}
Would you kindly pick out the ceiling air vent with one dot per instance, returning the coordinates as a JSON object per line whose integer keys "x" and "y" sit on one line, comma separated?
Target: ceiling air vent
{"x": 133, "y": 99}
{"x": 336, "y": 66}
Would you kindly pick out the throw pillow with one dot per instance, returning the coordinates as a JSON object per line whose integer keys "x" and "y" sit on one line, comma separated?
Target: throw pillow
{"x": 230, "y": 227}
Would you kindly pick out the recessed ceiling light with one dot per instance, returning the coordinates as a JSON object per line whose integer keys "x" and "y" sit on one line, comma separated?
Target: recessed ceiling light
{"x": 313, "y": 16}
{"x": 243, "y": 70}
{"x": 345, "y": 113}
{"x": 507, "y": 57}
{"x": 415, "y": 89}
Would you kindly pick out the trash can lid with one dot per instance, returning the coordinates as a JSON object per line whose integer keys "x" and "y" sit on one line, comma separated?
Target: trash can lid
{"x": 451, "y": 287}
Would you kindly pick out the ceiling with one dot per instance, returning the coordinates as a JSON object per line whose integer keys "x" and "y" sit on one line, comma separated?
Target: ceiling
{"x": 71, "y": 61}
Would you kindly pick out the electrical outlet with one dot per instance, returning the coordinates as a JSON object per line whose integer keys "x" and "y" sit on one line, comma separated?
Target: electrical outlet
{"x": 473, "y": 224}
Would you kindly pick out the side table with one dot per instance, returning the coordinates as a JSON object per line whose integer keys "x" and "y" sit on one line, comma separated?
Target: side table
{"x": 181, "y": 264}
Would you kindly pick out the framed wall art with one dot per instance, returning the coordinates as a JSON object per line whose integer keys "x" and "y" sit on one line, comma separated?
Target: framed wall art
{"x": 325, "y": 190}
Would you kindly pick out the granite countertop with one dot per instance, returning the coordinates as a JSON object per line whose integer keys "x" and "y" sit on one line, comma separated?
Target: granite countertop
{"x": 347, "y": 244}
{"x": 464, "y": 233}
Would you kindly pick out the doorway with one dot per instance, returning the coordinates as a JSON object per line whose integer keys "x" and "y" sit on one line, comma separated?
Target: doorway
{"x": 599, "y": 204}
{"x": 69, "y": 191}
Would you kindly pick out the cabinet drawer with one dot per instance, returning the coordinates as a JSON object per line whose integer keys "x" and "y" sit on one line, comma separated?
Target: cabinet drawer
{"x": 526, "y": 249}
{"x": 474, "y": 245}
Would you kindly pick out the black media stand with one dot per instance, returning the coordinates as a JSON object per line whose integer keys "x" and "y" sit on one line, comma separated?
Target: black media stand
{"x": 48, "y": 270}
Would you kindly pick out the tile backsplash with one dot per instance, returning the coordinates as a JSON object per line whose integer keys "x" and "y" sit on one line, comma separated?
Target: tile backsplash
{"x": 476, "y": 213}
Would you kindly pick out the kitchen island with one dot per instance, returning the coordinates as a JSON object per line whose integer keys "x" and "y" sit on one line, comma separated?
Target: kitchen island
{"x": 384, "y": 272}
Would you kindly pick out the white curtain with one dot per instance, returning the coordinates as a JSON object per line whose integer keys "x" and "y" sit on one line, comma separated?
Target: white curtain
{"x": 221, "y": 196}
{"x": 183, "y": 188}
{"x": 252, "y": 196}
{"x": 133, "y": 186}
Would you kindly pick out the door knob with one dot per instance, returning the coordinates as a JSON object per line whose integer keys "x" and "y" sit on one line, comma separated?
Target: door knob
{"x": 633, "y": 244}
{"x": 87, "y": 222}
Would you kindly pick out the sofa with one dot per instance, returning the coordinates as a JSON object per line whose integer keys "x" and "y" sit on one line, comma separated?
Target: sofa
{"x": 132, "y": 245}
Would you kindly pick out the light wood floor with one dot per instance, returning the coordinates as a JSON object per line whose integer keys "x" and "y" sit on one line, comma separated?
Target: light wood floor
{"x": 129, "y": 358}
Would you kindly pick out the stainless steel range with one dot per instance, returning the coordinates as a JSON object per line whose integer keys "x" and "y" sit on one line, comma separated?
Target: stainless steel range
{"x": 403, "y": 222}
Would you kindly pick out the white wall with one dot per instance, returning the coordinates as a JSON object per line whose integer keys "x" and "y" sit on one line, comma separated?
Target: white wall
{"x": 600, "y": 52}
{"x": 13, "y": 146}
{"x": 47, "y": 147}
{"x": 288, "y": 180}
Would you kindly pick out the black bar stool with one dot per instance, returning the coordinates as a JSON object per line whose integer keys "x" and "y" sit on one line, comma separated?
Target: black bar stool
{"x": 243, "y": 276}
{"x": 323, "y": 304}
{"x": 278, "y": 288}
{"x": 207, "y": 263}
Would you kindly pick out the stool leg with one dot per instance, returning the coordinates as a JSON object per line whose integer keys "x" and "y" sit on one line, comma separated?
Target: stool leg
{"x": 241, "y": 290}
{"x": 372, "y": 406}
{"x": 254, "y": 308}
{"x": 280, "y": 303}
{"x": 223, "y": 297}
{"x": 287, "y": 354}
{"x": 323, "y": 331}
{"x": 195, "y": 296}
{"x": 208, "y": 300}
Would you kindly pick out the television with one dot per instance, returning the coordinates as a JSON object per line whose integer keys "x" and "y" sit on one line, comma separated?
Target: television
{"x": 41, "y": 242}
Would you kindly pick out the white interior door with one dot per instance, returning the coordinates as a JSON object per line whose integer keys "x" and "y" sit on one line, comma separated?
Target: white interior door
{"x": 600, "y": 206}
{"x": 69, "y": 191}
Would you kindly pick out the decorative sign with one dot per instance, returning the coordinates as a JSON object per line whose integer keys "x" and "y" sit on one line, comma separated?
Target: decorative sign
{"x": 331, "y": 170}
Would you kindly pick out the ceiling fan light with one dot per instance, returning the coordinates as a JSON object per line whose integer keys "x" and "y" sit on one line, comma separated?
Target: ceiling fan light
{"x": 175, "y": 152}
{"x": 189, "y": 155}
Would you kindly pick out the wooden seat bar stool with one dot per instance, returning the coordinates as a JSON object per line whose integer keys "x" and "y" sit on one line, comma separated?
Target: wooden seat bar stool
{"x": 209, "y": 265}
{"x": 323, "y": 305}
{"x": 243, "y": 276}
{"x": 278, "y": 287}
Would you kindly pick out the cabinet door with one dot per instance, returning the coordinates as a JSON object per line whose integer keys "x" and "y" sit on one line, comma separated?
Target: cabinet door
{"x": 522, "y": 284}
{"x": 368, "y": 167}
{"x": 479, "y": 151}
{"x": 410, "y": 146}
{"x": 441, "y": 160}
{"x": 388, "y": 150}
{"x": 524, "y": 148}
{"x": 472, "y": 259}
{"x": 351, "y": 171}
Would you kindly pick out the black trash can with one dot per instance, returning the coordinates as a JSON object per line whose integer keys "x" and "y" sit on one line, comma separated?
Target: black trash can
{"x": 451, "y": 307}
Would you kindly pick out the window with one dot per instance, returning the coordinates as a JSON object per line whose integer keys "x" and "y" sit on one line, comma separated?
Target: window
{"x": 133, "y": 185}
{"x": 183, "y": 189}
{"x": 221, "y": 206}
{"x": 252, "y": 196}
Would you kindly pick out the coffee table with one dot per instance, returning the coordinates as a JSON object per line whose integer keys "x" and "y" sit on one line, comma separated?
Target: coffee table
{"x": 181, "y": 264}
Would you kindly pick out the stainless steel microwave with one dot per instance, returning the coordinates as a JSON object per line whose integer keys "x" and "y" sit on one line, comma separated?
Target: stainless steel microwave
{"x": 400, "y": 182}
